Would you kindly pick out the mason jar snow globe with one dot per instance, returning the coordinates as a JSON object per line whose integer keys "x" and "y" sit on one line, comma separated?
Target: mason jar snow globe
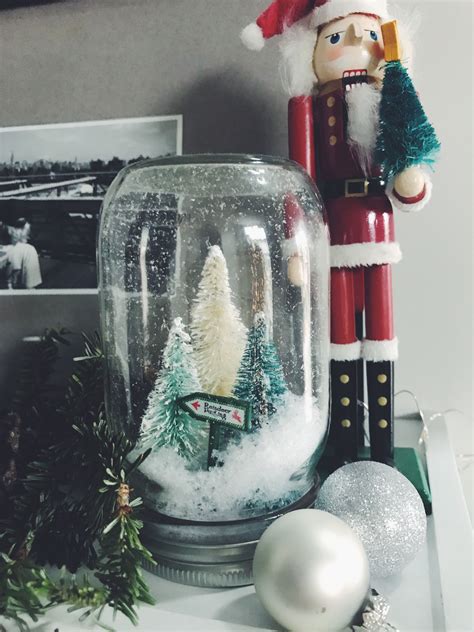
{"x": 214, "y": 292}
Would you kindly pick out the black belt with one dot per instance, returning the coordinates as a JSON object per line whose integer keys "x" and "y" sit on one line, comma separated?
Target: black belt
{"x": 354, "y": 188}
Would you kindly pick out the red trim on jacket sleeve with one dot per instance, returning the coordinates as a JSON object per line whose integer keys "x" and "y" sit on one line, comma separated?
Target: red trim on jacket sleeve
{"x": 301, "y": 133}
{"x": 410, "y": 200}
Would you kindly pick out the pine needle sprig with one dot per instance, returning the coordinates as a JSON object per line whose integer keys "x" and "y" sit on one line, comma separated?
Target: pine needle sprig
{"x": 119, "y": 569}
{"x": 20, "y": 585}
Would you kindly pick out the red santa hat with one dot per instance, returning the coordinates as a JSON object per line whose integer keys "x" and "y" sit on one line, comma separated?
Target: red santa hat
{"x": 282, "y": 14}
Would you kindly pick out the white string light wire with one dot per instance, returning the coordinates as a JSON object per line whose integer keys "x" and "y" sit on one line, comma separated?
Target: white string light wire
{"x": 426, "y": 423}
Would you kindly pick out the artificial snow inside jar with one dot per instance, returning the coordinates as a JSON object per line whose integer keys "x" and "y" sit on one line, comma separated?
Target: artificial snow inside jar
{"x": 214, "y": 286}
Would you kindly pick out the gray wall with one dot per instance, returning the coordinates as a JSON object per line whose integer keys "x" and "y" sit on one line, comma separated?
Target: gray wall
{"x": 93, "y": 59}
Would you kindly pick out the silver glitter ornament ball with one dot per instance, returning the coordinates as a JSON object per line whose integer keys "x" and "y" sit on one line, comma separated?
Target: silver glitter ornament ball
{"x": 383, "y": 508}
{"x": 311, "y": 572}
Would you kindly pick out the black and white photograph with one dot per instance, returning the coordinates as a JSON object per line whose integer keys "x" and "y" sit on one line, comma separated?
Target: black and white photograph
{"x": 53, "y": 179}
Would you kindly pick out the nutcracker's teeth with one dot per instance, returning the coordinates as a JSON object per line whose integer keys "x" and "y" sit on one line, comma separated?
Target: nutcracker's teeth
{"x": 354, "y": 78}
{"x": 354, "y": 73}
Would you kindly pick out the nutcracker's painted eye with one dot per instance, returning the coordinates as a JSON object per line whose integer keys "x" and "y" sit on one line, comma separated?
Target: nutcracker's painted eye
{"x": 374, "y": 36}
{"x": 335, "y": 38}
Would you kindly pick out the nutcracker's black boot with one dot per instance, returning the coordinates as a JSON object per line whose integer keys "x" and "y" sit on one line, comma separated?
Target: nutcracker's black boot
{"x": 344, "y": 431}
{"x": 380, "y": 387}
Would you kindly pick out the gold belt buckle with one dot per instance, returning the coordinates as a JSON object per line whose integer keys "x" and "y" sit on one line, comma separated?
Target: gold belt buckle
{"x": 357, "y": 194}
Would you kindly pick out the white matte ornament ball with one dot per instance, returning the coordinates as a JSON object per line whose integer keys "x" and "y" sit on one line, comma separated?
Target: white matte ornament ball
{"x": 382, "y": 507}
{"x": 311, "y": 572}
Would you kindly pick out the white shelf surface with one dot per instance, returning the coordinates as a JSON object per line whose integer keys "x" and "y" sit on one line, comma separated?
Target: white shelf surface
{"x": 433, "y": 593}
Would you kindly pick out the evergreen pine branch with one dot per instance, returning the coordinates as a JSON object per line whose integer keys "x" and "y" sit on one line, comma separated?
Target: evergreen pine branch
{"x": 56, "y": 496}
{"x": 67, "y": 494}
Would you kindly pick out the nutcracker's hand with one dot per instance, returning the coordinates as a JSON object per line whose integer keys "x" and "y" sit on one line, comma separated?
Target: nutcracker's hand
{"x": 409, "y": 183}
{"x": 295, "y": 270}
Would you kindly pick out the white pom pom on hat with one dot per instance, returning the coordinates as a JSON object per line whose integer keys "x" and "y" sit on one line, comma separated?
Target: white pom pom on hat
{"x": 252, "y": 37}
{"x": 282, "y": 14}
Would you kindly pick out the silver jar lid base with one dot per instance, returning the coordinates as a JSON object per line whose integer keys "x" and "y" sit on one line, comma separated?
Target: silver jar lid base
{"x": 210, "y": 554}
{"x": 205, "y": 575}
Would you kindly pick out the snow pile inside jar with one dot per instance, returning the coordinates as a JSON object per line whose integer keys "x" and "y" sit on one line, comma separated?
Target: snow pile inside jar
{"x": 266, "y": 469}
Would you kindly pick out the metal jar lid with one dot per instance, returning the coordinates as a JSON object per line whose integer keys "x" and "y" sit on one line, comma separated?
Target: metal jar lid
{"x": 210, "y": 554}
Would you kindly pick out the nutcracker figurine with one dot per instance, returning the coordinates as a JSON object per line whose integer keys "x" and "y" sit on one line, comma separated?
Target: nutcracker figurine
{"x": 333, "y": 54}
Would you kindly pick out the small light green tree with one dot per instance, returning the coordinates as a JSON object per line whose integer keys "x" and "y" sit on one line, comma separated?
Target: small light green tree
{"x": 164, "y": 423}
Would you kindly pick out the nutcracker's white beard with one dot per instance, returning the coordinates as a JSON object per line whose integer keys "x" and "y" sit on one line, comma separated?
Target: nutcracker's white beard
{"x": 363, "y": 110}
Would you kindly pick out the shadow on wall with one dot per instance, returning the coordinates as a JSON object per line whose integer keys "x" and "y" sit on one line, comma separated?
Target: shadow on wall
{"x": 221, "y": 115}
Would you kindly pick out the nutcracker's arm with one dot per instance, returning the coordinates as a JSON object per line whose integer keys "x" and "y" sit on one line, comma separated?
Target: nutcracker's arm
{"x": 301, "y": 133}
{"x": 411, "y": 190}
{"x": 301, "y": 150}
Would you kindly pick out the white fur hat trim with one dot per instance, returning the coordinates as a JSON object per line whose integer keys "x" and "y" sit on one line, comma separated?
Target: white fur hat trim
{"x": 340, "y": 8}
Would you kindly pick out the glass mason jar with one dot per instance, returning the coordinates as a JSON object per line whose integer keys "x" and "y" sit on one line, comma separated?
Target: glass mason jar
{"x": 214, "y": 289}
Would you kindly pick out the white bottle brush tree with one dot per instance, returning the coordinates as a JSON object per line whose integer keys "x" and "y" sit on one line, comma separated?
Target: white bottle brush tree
{"x": 218, "y": 334}
{"x": 165, "y": 424}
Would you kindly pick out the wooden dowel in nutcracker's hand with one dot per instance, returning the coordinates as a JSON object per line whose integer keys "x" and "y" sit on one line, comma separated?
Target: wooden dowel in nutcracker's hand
{"x": 391, "y": 40}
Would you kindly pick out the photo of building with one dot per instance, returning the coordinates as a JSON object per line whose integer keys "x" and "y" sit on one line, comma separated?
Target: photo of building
{"x": 53, "y": 179}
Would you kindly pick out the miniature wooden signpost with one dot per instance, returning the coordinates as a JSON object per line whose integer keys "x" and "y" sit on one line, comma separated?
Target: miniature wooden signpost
{"x": 217, "y": 411}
